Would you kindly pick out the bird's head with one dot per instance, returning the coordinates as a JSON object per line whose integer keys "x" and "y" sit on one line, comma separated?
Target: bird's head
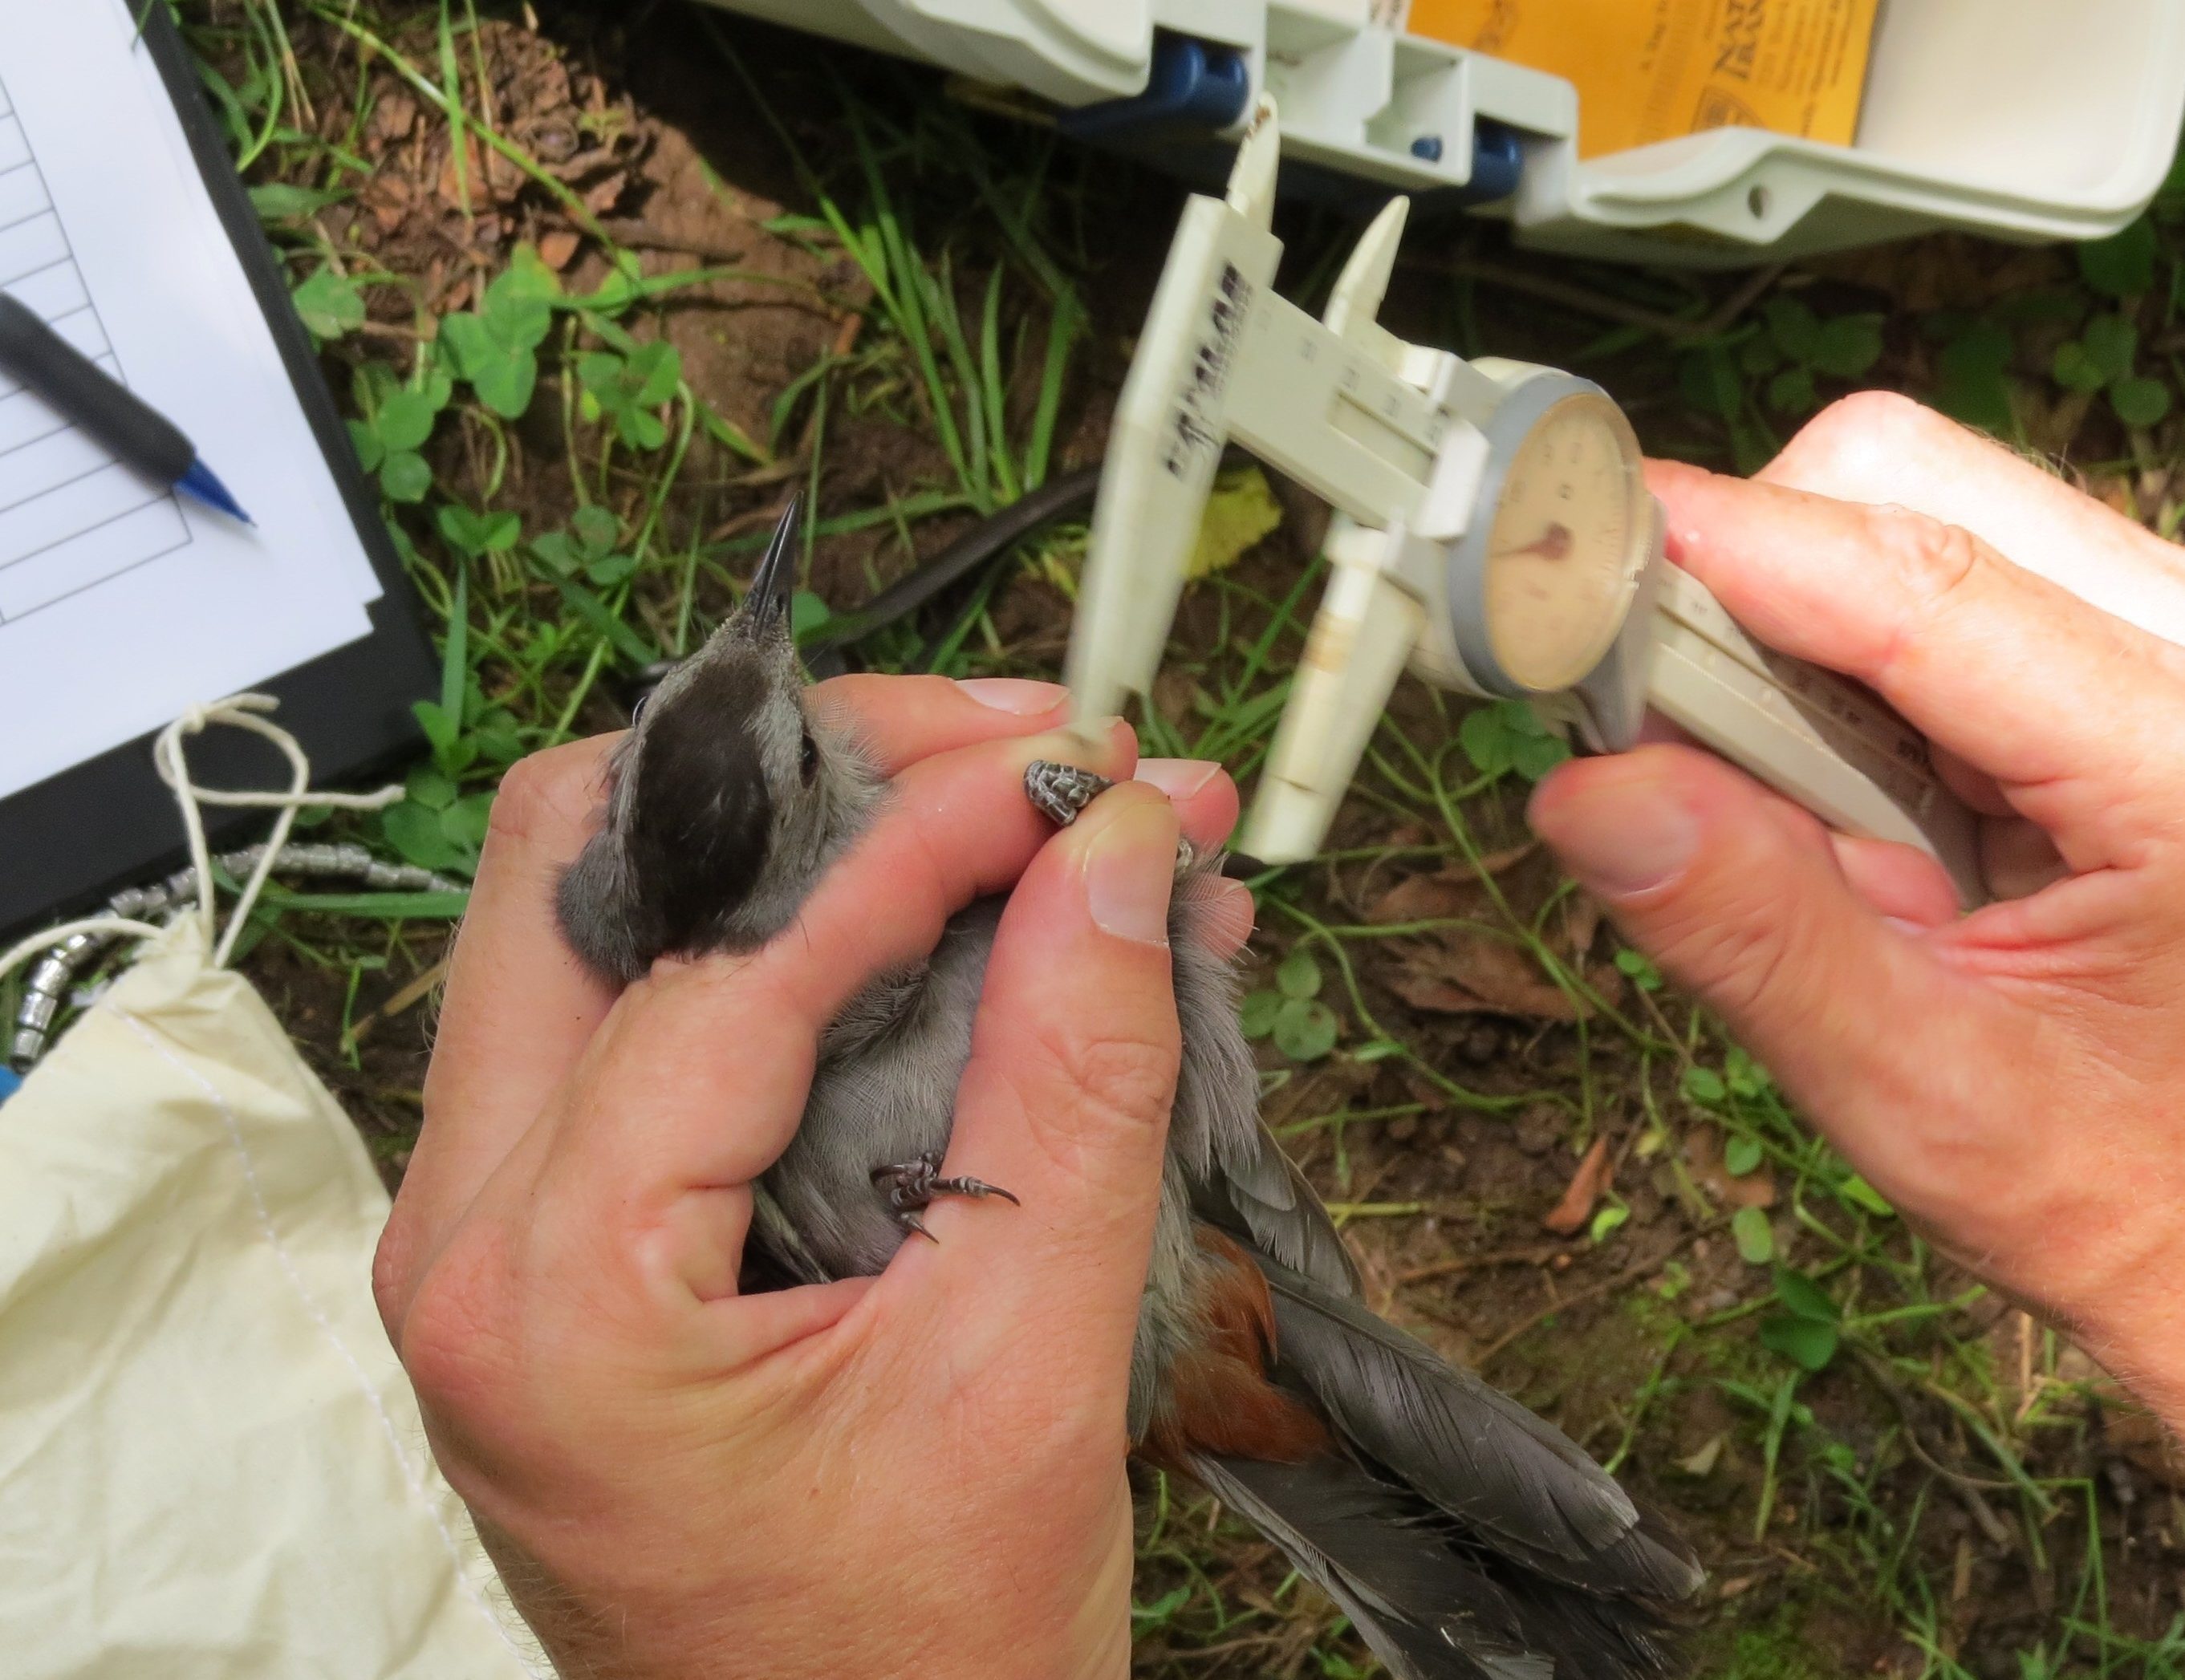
{"x": 725, "y": 800}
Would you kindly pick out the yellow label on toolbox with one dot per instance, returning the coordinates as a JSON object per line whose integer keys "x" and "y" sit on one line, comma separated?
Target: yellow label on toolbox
{"x": 1652, "y": 70}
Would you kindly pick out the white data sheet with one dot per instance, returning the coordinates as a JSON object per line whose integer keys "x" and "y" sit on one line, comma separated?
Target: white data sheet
{"x": 120, "y": 604}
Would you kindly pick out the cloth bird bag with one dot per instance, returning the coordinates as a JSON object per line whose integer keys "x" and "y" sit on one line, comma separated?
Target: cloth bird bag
{"x": 210, "y": 1463}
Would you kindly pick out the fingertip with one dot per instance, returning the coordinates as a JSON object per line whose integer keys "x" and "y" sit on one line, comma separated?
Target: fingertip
{"x": 1687, "y": 494}
{"x": 1120, "y": 738}
{"x": 1900, "y": 884}
{"x": 1128, "y": 849}
{"x": 1666, "y": 479}
{"x": 1624, "y": 825}
{"x": 1180, "y": 778}
{"x": 1205, "y": 796}
{"x": 747, "y": 1328}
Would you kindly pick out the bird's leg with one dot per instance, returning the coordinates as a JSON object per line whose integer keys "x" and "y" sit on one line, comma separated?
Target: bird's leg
{"x": 913, "y": 1186}
{"x": 1060, "y": 793}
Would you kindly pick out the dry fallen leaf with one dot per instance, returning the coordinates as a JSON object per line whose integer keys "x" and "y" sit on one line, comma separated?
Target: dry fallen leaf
{"x": 1460, "y": 972}
{"x": 1433, "y": 996}
{"x": 1568, "y": 1216}
{"x": 393, "y": 116}
{"x": 1507, "y": 978}
{"x": 608, "y": 193}
{"x": 1755, "y": 1189}
{"x": 1447, "y": 893}
{"x": 1427, "y": 898}
{"x": 558, "y": 249}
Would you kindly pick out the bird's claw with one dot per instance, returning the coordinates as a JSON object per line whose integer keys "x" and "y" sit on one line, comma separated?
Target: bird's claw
{"x": 913, "y": 1186}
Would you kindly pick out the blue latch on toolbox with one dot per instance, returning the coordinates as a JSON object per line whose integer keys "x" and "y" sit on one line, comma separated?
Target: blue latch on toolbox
{"x": 1190, "y": 85}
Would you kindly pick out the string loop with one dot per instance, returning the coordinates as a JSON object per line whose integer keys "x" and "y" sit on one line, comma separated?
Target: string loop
{"x": 241, "y": 711}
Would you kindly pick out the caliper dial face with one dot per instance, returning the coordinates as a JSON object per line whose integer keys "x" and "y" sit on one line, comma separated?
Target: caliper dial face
{"x": 1562, "y": 557}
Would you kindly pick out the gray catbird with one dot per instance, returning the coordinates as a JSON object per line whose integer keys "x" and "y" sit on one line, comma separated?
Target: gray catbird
{"x": 1462, "y": 1535}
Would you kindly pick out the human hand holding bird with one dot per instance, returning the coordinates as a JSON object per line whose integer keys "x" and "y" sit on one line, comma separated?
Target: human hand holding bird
{"x": 918, "y": 1474}
{"x": 805, "y": 923}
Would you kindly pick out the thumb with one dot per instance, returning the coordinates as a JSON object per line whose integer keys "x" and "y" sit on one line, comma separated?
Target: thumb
{"x": 1739, "y": 896}
{"x": 1065, "y": 1101}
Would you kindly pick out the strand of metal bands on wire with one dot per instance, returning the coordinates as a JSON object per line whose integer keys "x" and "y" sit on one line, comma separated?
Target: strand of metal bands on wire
{"x": 190, "y": 891}
{"x": 46, "y": 988}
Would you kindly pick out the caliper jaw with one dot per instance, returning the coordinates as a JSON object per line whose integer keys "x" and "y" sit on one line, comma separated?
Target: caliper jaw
{"x": 1354, "y": 413}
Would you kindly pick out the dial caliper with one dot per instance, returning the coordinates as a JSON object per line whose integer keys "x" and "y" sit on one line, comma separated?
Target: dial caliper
{"x": 1492, "y": 530}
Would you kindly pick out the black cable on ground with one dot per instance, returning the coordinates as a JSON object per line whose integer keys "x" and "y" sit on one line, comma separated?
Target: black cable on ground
{"x": 1069, "y": 496}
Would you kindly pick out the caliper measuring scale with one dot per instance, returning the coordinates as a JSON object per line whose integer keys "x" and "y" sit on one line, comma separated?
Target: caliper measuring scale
{"x": 1493, "y": 531}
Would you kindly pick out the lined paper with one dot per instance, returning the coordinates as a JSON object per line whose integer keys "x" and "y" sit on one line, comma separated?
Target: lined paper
{"x": 70, "y": 517}
{"x": 120, "y": 604}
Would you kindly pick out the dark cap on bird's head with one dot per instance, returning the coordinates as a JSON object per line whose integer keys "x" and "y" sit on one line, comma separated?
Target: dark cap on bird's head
{"x": 725, "y": 800}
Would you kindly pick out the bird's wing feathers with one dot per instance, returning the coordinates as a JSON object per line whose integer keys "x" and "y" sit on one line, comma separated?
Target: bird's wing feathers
{"x": 1239, "y": 1179}
{"x": 1511, "y": 1477}
{"x": 1258, "y": 1194}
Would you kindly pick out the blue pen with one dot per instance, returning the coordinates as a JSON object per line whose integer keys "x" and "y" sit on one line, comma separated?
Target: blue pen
{"x": 130, "y": 430}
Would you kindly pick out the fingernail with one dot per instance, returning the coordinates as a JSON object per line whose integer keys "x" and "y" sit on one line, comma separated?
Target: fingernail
{"x": 1020, "y": 695}
{"x": 1129, "y": 871}
{"x": 1177, "y": 778}
{"x": 1619, "y": 834}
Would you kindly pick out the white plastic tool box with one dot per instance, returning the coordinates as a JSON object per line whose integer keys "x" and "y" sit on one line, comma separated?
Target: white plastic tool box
{"x": 2025, "y": 120}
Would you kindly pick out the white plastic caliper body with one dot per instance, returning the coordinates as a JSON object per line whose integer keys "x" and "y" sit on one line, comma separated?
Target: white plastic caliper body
{"x": 1493, "y": 531}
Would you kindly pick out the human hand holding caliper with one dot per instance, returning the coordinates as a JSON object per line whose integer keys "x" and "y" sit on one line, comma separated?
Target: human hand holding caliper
{"x": 1493, "y": 531}
{"x": 2012, "y": 1079}
{"x": 2009, "y": 1078}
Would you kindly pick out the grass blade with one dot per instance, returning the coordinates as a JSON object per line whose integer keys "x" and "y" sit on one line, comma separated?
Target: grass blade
{"x": 1062, "y": 330}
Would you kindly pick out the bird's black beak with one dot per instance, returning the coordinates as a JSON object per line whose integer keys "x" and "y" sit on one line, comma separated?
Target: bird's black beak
{"x": 767, "y": 606}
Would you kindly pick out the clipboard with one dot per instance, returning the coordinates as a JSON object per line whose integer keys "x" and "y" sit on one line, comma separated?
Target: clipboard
{"x": 68, "y": 841}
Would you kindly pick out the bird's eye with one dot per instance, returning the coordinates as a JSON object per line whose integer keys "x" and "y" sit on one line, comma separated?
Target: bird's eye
{"x": 637, "y": 711}
{"x": 808, "y": 766}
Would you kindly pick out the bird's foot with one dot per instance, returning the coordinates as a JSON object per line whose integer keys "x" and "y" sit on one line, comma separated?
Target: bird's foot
{"x": 913, "y": 1186}
{"x": 1060, "y": 793}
